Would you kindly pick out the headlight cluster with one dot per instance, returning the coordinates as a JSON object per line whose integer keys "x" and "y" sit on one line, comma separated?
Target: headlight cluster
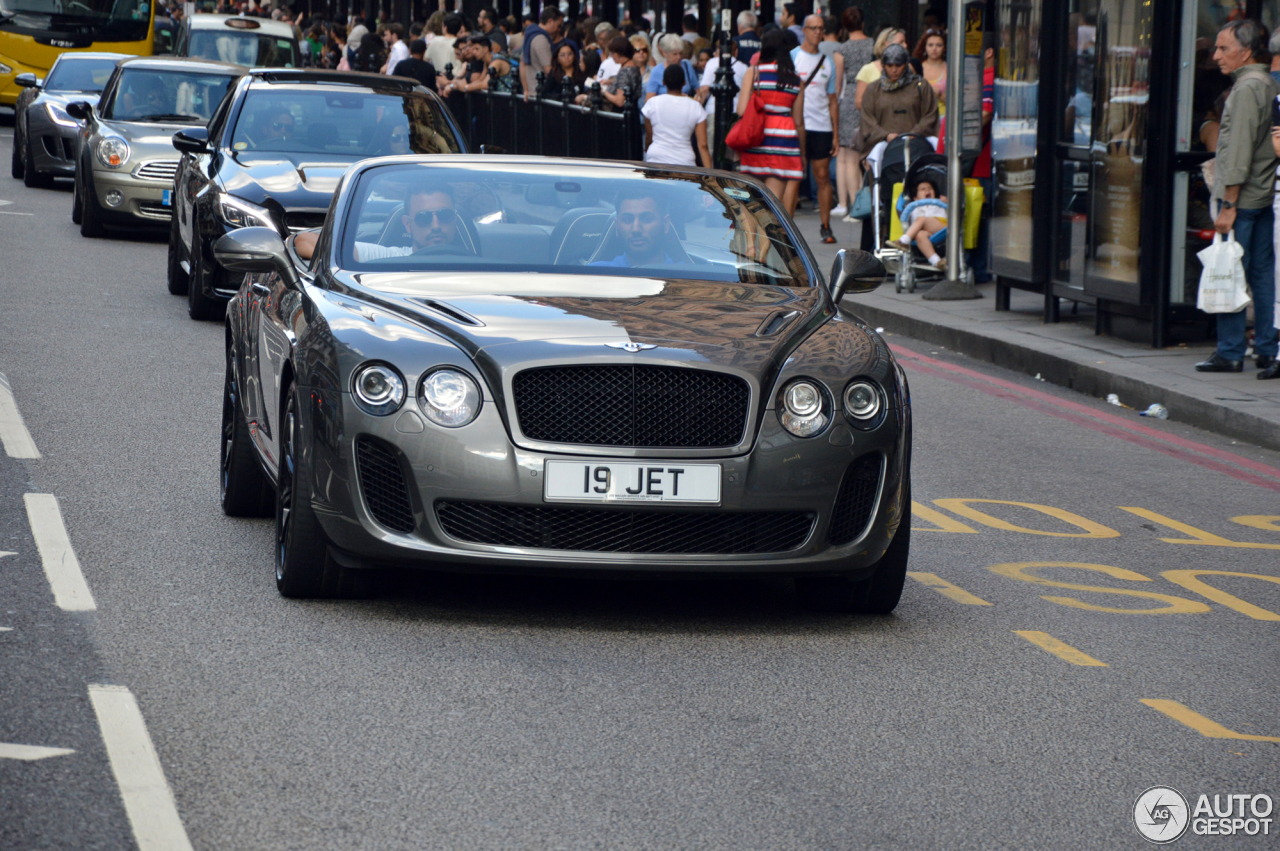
{"x": 241, "y": 214}
{"x": 448, "y": 397}
{"x": 805, "y": 409}
{"x": 113, "y": 151}
{"x": 59, "y": 116}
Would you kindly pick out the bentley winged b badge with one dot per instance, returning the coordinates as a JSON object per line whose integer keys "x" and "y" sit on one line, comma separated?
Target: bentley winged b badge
{"x": 629, "y": 346}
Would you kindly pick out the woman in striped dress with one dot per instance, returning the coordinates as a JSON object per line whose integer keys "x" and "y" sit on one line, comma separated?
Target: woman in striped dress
{"x": 779, "y": 159}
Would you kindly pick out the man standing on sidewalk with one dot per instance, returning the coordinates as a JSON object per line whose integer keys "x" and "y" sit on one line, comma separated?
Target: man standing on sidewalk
{"x": 1245, "y": 168}
{"x": 820, "y": 113}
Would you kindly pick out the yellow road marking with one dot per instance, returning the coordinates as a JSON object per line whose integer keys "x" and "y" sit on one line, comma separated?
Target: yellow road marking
{"x": 946, "y": 589}
{"x": 937, "y": 518}
{"x": 1189, "y": 579}
{"x": 1194, "y": 535}
{"x": 1267, "y": 522}
{"x": 964, "y": 509}
{"x": 1203, "y": 726}
{"x": 1173, "y": 605}
{"x": 1065, "y": 652}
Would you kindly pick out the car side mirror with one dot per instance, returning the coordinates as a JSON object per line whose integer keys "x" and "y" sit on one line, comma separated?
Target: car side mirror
{"x": 855, "y": 271}
{"x": 194, "y": 140}
{"x": 79, "y": 110}
{"x": 26, "y": 81}
{"x": 256, "y": 251}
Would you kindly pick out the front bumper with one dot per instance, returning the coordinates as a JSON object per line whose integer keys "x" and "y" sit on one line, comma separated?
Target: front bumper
{"x": 143, "y": 202}
{"x": 479, "y": 464}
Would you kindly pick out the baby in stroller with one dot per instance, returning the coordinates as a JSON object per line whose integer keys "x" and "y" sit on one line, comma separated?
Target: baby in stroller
{"x": 924, "y": 221}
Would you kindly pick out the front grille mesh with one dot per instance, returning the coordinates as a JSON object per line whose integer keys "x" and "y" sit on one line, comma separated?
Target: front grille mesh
{"x": 155, "y": 211}
{"x": 162, "y": 170}
{"x": 382, "y": 481}
{"x": 623, "y": 530}
{"x": 856, "y": 500}
{"x": 621, "y": 405}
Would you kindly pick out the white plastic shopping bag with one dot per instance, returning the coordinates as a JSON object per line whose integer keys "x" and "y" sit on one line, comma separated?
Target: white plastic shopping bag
{"x": 1222, "y": 285}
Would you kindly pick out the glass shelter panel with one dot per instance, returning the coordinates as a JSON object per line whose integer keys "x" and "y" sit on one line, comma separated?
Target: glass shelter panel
{"x": 1013, "y": 130}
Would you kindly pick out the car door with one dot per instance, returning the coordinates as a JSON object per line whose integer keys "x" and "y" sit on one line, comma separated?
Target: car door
{"x": 278, "y": 316}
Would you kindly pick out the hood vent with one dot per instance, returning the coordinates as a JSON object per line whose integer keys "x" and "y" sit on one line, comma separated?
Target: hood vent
{"x": 776, "y": 322}
{"x": 449, "y": 312}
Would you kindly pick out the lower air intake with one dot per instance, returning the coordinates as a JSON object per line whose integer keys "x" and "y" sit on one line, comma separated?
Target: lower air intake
{"x": 382, "y": 481}
{"x": 856, "y": 500}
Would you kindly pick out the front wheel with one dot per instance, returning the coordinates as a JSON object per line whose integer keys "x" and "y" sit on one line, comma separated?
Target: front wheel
{"x": 178, "y": 280}
{"x": 199, "y": 305}
{"x": 77, "y": 208}
{"x": 878, "y": 594}
{"x": 304, "y": 567}
{"x": 244, "y": 488}
{"x": 32, "y": 178}
{"x": 90, "y": 211}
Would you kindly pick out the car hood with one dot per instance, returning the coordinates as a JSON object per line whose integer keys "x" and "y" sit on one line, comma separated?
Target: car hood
{"x": 504, "y": 322}
{"x": 148, "y": 136}
{"x": 296, "y": 181}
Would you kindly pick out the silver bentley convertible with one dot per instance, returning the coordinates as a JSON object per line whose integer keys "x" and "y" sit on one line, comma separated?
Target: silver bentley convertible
{"x": 518, "y": 364}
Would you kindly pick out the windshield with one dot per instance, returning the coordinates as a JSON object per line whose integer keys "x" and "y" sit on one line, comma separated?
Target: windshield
{"x": 79, "y": 75}
{"x": 102, "y": 20}
{"x": 303, "y": 120}
{"x": 168, "y": 96}
{"x": 244, "y": 48}
{"x": 589, "y": 221}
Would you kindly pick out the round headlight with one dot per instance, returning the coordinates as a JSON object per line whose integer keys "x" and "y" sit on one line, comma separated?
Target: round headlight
{"x": 113, "y": 152}
{"x": 862, "y": 400}
{"x": 449, "y": 398}
{"x": 378, "y": 389}
{"x": 804, "y": 410}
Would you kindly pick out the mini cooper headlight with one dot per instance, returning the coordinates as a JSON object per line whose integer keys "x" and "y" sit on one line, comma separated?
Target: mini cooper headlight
{"x": 241, "y": 214}
{"x": 113, "y": 151}
{"x": 378, "y": 389}
{"x": 449, "y": 397}
{"x": 863, "y": 401}
{"x": 804, "y": 410}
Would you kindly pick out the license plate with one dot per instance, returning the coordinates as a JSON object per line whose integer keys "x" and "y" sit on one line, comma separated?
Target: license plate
{"x": 167, "y": 198}
{"x": 628, "y": 481}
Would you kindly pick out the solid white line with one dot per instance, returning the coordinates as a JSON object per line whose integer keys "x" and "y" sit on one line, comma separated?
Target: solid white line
{"x": 148, "y": 800}
{"x": 30, "y": 753}
{"x": 70, "y": 591}
{"x": 7, "y": 213}
{"x": 13, "y": 431}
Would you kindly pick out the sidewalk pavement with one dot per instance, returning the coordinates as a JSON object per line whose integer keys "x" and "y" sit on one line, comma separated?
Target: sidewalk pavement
{"x": 1069, "y": 353}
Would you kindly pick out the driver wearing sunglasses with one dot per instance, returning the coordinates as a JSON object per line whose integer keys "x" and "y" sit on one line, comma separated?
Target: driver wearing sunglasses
{"x": 642, "y": 225}
{"x": 430, "y": 218}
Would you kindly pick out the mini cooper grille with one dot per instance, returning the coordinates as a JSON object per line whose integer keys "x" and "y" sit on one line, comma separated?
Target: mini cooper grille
{"x": 164, "y": 170}
{"x": 383, "y": 484}
{"x": 154, "y": 211}
{"x": 632, "y": 406}
{"x": 624, "y": 531}
{"x": 856, "y": 500}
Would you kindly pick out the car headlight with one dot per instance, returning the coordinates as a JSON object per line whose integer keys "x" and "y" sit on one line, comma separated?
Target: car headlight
{"x": 805, "y": 410}
{"x": 378, "y": 389}
{"x": 59, "y": 116}
{"x": 5, "y": 69}
{"x": 863, "y": 402}
{"x": 241, "y": 214}
{"x": 449, "y": 397}
{"x": 113, "y": 151}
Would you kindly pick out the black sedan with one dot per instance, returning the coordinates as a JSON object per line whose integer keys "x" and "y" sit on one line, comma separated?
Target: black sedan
{"x": 45, "y": 137}
{"x": 272, "y": 155}
{"x": 621, "y": 367}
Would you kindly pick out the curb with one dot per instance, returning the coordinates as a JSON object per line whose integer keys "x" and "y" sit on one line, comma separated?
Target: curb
{"x": 1080, "y": 377}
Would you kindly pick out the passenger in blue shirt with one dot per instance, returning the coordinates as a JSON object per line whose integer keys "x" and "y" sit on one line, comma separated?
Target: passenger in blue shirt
{"x": 672, "y": 48}
{"x": 642, "y": 223}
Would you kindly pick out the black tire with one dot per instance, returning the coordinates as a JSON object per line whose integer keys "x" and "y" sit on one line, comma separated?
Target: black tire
{"x": 245, "y": 489}
{"x": 90, "y": 211}
{"x": 77, "y": 210}
{"x": 304, "y": 566}
{"x": 30, "y": 177}
{"x": 15, "y": 159}
{"x": 199, "y": 306}
{"x": 179, "y": 280}
{"x": 878, "y": 594}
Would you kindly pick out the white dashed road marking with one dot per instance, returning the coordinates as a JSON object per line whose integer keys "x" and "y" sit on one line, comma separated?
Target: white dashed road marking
{"x": 30, "y": 753}
{"x": 148, "y": 800}
{"x": 70, "y": 591}
{"x": 13, "y": 431}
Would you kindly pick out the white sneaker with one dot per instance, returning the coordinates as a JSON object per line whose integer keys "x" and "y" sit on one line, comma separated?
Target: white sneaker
{"x": 849, "y": 219}
{"x": 839, "y": 211}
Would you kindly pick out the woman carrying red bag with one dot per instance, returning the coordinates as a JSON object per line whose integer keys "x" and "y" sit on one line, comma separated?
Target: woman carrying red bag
{"x": 778, "y": 160}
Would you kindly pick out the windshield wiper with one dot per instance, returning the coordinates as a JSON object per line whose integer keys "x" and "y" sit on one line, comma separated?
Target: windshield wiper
{"x": 168, "y": 116}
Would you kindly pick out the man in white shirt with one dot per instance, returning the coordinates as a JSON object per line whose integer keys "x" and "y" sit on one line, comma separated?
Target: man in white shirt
{"x": 440, "y": 50}
{"x": 709, "y": 74}
{"x": 820, "y": 114}
{"x": 690, "y": 27}
{"x": 430, "y": 218}
{"x": 393, "y": 37}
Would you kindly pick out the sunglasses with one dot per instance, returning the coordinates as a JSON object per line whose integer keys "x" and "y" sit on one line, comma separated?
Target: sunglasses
{"x": 444, "y": 218}
{"x": 629, "y": 219}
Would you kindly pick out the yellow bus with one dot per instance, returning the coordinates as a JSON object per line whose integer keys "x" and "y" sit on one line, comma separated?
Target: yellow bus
{"x": 34, "y": 32}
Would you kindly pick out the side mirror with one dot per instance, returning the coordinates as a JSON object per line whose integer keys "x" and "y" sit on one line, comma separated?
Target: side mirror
{"x": 194, "y": 140}
{"x": 855, "y": 271}
{"x": 26, "y": 81}
{"x": 256, "y": 251}
{"x": 79, "y": 110}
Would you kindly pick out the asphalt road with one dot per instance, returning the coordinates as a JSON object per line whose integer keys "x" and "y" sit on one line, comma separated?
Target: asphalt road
{"x": 486, "y": 712}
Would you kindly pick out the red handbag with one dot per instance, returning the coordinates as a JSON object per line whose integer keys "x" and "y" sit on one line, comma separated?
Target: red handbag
{"x": 748, "y": 132}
